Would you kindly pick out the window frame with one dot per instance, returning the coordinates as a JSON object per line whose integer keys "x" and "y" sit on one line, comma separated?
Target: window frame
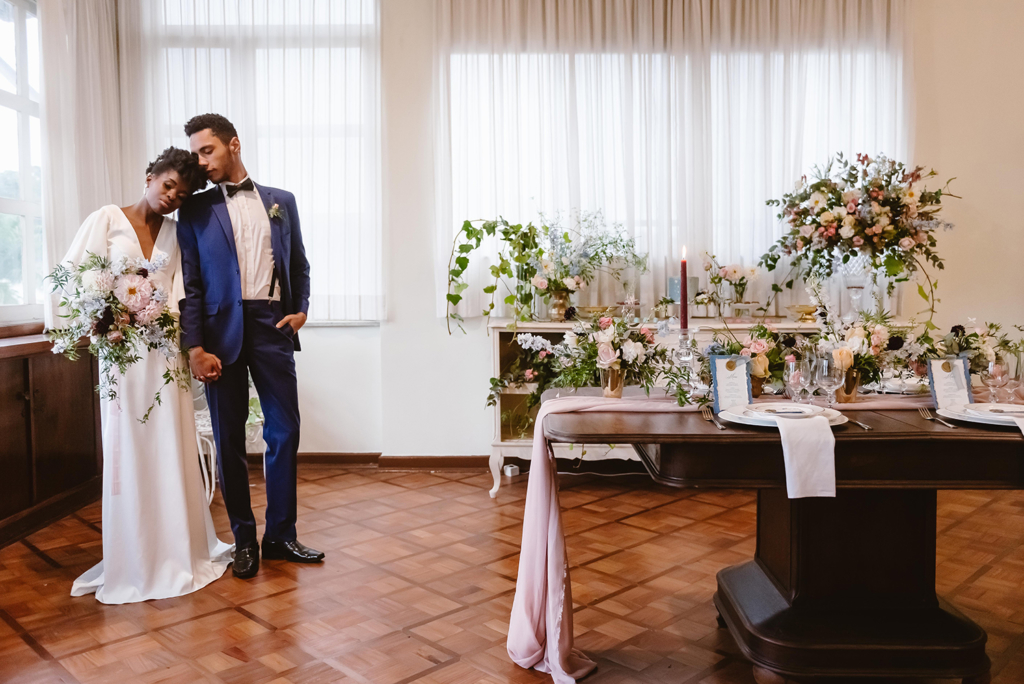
{"x": 28, "y": 210}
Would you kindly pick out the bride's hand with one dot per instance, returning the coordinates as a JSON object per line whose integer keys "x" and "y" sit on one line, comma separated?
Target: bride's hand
{"x": 205, "y": 367}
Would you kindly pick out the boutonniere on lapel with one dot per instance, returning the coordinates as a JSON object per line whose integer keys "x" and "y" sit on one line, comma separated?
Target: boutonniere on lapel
{"x": 276, "y": 212}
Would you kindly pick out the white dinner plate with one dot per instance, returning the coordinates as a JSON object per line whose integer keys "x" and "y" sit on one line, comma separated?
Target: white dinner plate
{"x": 996, "y": 410}
{"x": 788, "y": 409}
{"x": 960, "y": 413}
{"x": 768, "y": 420}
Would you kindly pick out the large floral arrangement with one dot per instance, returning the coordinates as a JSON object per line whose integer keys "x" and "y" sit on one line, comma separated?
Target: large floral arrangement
{"x": 609, "y": 343}
{"x": 539, "y": 261}
{"x": 875, "y": 207}
{"x": 123, "y": 312}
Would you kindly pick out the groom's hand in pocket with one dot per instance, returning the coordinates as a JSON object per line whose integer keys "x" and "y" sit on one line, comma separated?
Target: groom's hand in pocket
{"x": 296, "y": 321}
{"x": 205, "y": 367}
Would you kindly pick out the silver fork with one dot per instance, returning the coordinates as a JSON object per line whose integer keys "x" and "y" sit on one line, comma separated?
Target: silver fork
{"x": 708, "y": 415}
{"x": 859, "y": 424}
{"x": 928, "y": 416}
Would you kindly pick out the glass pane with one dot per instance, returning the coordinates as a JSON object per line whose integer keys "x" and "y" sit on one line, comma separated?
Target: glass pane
{"x": 10, "y": 185}
{"x": 10, "y": 260}
{"x": 32, "y": 25}
{"x": 8, "y": 61}
{"x": 35, "y": 187}
{"x": 38, "y": 261}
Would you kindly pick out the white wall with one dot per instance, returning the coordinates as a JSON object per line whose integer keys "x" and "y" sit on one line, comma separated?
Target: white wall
{"x": 409, "y": 389}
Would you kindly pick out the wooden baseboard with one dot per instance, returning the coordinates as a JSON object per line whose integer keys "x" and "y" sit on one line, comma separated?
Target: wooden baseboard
{"x": 325, "y": 459}
{"x": 22, "y": 524}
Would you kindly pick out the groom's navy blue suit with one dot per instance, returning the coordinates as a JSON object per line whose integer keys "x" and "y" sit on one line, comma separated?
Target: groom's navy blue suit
{"x": 242, "y": 334}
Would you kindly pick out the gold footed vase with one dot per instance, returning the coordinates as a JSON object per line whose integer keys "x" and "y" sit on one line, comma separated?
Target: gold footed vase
{"x": 612, "y": 380}
{"x": 558, "y": 306}
{"x": 847, "y": 394}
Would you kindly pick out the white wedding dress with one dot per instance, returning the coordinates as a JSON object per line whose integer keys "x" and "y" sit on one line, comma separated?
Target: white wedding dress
{"x": 158, "y": 536}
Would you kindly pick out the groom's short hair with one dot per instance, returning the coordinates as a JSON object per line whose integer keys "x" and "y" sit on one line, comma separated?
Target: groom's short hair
{"x": 218, "y": 125}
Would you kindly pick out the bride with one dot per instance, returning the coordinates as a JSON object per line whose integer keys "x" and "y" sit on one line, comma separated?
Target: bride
{"x": 158, "y": 536}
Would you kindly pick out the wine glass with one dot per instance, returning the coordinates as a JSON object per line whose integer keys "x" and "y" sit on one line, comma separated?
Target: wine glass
{"x": 995, "y": 376}
{"x": 830, "y": 376}
{"x": 807, "y": 381}
{"x": 791, "y": 378}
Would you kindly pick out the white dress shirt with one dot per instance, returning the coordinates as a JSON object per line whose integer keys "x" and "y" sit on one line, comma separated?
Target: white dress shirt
{"x": 251, "y": 227}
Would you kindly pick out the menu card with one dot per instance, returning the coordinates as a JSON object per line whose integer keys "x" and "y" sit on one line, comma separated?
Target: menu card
{"x": 950, "y": 380}
{"x": 730, "y": 382}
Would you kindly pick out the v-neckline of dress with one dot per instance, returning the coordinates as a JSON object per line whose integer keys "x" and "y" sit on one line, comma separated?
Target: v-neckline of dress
{"x": 163, "y": 222}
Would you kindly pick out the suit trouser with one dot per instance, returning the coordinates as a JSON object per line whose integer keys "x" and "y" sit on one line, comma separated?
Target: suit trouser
{"x": 268, "y": 354}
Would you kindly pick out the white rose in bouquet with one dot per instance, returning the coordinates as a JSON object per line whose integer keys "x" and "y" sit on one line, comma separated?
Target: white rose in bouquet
{"x": 570, "y": 283}
{"x": 843, "y": 356}
{"x": 607, "y": 355}
{"x": 606, "y": 336}
{"x": 846, "y": 232}
{"x": 570, "y": 340}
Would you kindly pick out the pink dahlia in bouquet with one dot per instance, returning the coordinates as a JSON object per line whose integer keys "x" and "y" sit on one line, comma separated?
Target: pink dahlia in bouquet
{"x": 124, "y": 313}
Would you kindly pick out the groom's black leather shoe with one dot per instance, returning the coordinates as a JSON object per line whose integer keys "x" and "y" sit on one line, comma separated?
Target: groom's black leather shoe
{"x": 247, "y": 561}
{"x": 290, "y": 551}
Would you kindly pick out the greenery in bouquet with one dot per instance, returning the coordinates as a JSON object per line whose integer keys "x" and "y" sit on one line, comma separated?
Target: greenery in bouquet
{"x": 536, "y": 365}
{"x": 116, "y": 304}
{"x": 609, "y": 343}
{"x": 766, "y": 348}
{"x": 539, "y": 261}
{"x": 876, "y": 207}
{"x": 739, "y": 277}
{"x": 977, "y": 344}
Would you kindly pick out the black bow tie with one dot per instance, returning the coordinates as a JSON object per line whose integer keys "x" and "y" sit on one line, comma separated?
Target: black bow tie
{"x": 244, "y": 185}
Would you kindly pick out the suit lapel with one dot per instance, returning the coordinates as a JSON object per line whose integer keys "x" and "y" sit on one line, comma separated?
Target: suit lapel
{"x": 220, "y": 210}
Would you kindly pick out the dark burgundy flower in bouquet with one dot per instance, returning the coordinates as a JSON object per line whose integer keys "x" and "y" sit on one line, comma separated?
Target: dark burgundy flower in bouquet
{"x": 958, "y": 330}
{"x": 895, "y": 343}
{"x": 102, "y": 326}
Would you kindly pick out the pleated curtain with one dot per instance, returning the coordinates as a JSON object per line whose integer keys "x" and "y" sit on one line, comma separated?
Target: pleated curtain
{"x": 675, "y": 118}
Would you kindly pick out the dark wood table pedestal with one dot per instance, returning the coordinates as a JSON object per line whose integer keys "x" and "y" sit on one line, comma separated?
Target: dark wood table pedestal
{"x": 839, "y": 587}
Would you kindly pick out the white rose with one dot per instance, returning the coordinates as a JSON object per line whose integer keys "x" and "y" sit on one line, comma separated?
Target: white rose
{"x": 806, "y": 230}
{"x": 849, "y": 220}
{"x": 846, "y": 232}
{"x": 565, "y": 261}
{"x": 606, "y": 355}
{"x": 840, "y": 211}
{"x": 851, "y": 196}
{"x": 883, "y": 221}
{"x": 629, "y": 350}
{"x": 570, "y": 283}
{"x": 89, "y": 280}
{"x": 570, "y": 340}
{"x": 605, "y": 336}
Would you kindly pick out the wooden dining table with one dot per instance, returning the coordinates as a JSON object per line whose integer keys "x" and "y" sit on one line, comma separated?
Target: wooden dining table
{"x": 843, "y": 586}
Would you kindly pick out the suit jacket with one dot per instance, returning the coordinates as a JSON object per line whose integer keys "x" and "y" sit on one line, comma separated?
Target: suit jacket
{"x": 211, "y": 312}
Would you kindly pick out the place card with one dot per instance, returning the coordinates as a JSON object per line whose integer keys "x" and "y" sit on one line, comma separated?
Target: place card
{"x": 730, "y": 382}
{"x": 950, "y": 380}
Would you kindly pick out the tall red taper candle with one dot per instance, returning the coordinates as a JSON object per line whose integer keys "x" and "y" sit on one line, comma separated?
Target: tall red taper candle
{"x": 684, "y": 306}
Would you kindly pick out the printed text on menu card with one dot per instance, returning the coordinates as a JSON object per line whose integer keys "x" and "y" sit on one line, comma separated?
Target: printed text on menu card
{"x": 951, "y": 382}
{"x": 731, "y": 382}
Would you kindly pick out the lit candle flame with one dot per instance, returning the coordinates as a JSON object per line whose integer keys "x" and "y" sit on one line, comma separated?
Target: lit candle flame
{"x": 684, "y": 252}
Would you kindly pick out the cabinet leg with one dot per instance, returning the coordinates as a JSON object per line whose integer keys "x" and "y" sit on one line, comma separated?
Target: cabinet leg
{"x": 720, "y": 621}
{"x": 763, "y": 676}
{"x": 496, "y": 461}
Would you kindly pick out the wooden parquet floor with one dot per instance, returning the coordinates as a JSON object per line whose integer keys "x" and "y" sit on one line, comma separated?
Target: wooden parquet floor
{"x": 418, "y": 585}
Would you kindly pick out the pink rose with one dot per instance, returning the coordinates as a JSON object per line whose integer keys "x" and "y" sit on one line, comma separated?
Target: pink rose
{"x": 758, "y": 347}
{"x": 115, "y": 336}
{"x": 646, "y": 332}
{"x": 876, "y": 340}
{"x": 921, "y": 237}
{"x": 606, "y": 355}
{"x": 790, "y": 358}
{"x": 907, "y": 243}
{"x": 604, "y": 323}
{"x": 851, "y": 207}
{"x": 858, "y": 241}
{"x": 744, "y": 352}
{"x": 529, "y": 374}
{"x": 543, "y": 354}
{"x": 806, "y": 230}
{"x": 831, "y": 230}
{"x": 723, "y": 272}
{"x": 539, "y": 282}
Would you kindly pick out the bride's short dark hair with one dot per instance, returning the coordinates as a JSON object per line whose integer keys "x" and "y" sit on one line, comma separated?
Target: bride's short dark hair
{"x": 185, "y": 163}
{"x": 218, "y": 125}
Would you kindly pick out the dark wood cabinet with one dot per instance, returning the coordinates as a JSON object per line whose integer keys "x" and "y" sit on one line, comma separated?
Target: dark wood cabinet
{"x": 50, "y": 446}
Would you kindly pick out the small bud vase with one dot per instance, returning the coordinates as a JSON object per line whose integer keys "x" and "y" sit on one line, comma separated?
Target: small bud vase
{"x": 847, "y": 394}
{"x": 611, "y": 382}
{"x": 756, "y": 386}
{"x": 558, "y": 306}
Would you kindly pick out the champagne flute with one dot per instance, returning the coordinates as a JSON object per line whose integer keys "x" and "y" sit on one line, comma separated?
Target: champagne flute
{"x": 829, "y": 376}
{"x": 995, "y": 376}
{"x": 806, "y": 369}
{"x": 791, "y": 377}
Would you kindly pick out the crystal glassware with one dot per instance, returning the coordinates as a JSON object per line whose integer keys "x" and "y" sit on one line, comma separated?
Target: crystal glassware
{"x": 995, "y": 376}
{"x": 829, "y": 376}
{"x": 807, "y": 381}
{"x": 791, "y": 378}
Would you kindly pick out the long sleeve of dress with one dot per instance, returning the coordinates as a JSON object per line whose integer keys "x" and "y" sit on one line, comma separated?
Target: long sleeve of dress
{"x": 91, "y": 238}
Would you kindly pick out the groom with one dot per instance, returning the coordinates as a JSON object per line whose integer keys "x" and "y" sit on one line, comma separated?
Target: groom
{"x": 246, "y": 295}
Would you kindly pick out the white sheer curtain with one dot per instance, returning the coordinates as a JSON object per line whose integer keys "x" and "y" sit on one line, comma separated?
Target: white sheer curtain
{"x": 675, "y": 118}
{"x": 80, "y": 121}
{"x": 300, "y": 81}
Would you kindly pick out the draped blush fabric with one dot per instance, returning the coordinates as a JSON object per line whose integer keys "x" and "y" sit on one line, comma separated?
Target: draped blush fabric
{"x": 80, "y": 122}
{"x": 675, "y": 118}
{"x": 300, "y": 82}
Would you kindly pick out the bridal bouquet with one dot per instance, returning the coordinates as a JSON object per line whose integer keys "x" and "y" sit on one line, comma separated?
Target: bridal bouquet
{"x": 876, "y": 207}
{"x": 123, "y": 312}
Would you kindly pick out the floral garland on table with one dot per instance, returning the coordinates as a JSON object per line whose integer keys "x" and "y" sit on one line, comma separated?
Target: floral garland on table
{"x": 874, "y": 207}
{"x": 539, "y": 261}
{"x": 123, "y": 312}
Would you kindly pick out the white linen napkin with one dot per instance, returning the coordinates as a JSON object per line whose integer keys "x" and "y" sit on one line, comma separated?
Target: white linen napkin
{"x": 810, "y": 453}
